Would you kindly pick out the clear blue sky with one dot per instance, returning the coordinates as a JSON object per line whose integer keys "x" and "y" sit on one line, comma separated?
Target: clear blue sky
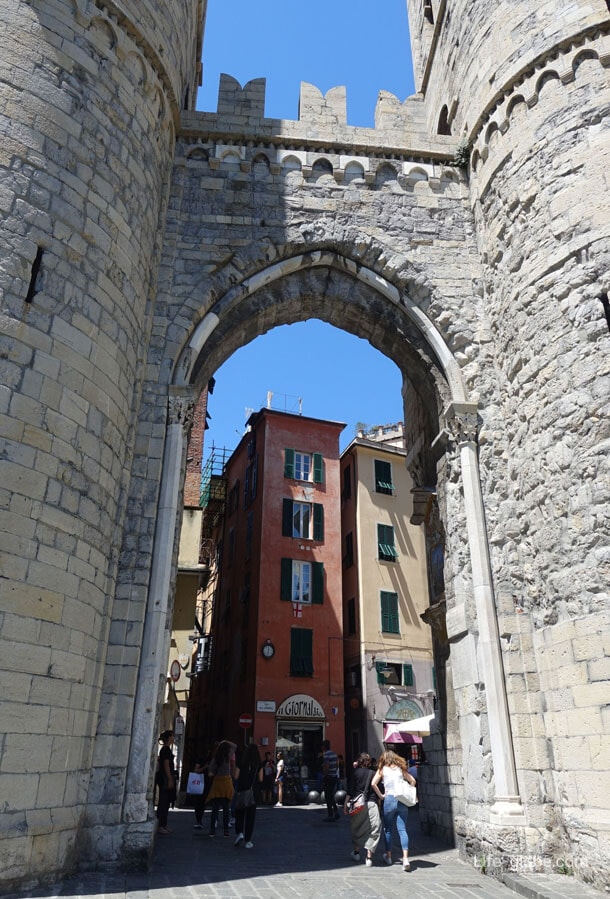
{"x": 363, "y": 45}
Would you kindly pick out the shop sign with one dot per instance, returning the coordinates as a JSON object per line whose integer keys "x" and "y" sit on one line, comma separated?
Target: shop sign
{"x": 301, "y": 706}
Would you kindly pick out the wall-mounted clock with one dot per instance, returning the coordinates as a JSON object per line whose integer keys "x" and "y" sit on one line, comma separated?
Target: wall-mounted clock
{"x": 268, "y": 650}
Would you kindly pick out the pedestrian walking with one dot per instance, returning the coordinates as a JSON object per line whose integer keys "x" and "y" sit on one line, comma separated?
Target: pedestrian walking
{"x": 268, "y": 779}
{"x": 166, "y": 780}
{"x": 221, "y": 792}
{"x": 391, "y": 770}
{"x": 330, "y": 768}
{"x": 361, "y": 806}
{"x": 279, "y": 780}
{"x": 249, "y": 774}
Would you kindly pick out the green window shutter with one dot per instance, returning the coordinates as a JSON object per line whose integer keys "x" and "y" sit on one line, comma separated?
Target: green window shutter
{"x": 289, "y": 463}
{"x": 379, "y": 666}
{"x": 389, "y": 613}
{"x": 407, "y": 675}
{"x": 385, "y": 542}
{"x": 287, "y": 518}
{"x": 317, "y": 586}
{"x": 318, "y": 468}
{"x": 318, "y": 521}
{"x": 383, "y": 477}
{"x": 434, "y": 677}
{"x": 301, "y": 652}
{"x": 286, "y": 582}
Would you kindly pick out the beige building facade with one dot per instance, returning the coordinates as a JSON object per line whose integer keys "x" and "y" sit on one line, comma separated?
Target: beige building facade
{"x": 389, "y": 661}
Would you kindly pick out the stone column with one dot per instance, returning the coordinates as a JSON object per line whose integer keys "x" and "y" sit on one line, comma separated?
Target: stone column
{"x": 462, "y": 426}
{"x": 153, "y": 659}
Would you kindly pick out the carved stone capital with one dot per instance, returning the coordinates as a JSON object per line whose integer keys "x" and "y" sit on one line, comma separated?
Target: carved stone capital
{"x": 180, "y": 409}
{"x": 462, "y": 422}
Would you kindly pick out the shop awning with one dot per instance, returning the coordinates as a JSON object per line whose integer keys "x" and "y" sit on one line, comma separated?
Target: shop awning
{"x": 407, "y": 731}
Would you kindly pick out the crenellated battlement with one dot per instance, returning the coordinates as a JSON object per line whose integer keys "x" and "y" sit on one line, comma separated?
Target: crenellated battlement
{"x": 322, "y": 121}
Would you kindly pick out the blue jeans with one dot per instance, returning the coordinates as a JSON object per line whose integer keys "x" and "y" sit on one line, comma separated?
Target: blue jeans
{"x": 395, "y": 813}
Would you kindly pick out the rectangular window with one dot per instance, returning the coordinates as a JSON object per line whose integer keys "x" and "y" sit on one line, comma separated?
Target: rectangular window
{"x": 349, "y": 550}
{"x": 302, "y": 582}
{"x": 297, "y": 520}
{"x": 231, "y": 548}
{"x": 407, "y": 676}
{"x": 388, "y": 673}
{"x": 351, "y": 616}
{"x": 301, "y": 652}
{"x": 389, "y": 613}
{"x": 385, "y": 543}
{"x": 301, "y": 520}
{"x": 383, "y": 477}
{"x": 249, "y": 531}
{"x": 347, "y": 482}
{"x": 302, "y": 466}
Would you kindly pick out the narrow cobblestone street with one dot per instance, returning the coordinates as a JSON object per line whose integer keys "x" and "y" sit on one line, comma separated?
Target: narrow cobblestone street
{"x": 298, "y": 855}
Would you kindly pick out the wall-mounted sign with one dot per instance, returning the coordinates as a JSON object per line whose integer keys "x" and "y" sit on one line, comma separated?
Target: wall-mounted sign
{"x": 265, "y": 705}
{"x": 175, "y": 670}
{"x": 178, "y": 726}
{"x": 301, "y": 706}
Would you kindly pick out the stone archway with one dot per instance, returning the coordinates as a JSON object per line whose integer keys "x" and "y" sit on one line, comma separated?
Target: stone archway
{"x": 326, "y": 285}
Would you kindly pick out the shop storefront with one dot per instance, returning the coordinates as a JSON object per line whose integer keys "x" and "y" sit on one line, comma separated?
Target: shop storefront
{"x": 300, "y": 723}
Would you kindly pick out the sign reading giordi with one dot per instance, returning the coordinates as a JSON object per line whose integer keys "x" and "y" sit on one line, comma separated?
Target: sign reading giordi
{"x": 301, "y": 706}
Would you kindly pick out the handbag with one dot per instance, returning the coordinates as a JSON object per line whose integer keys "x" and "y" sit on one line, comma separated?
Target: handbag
{"x": 356, "y": 804}
{"x": 406, "y": 794}
{"x": 195, "y": 784}
{"x": 244, "y": 798}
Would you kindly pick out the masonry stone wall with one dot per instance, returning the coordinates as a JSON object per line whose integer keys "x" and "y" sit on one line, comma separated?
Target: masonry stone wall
{"x": 86, "y": 130}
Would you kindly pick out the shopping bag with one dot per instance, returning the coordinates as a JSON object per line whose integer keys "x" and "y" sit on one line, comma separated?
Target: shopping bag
{"x": 195, "y": 784}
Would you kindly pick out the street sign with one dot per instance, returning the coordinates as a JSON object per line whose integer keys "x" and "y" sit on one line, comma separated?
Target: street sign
{"x": 175, "y": 670}
{"x": 245, "y": 720}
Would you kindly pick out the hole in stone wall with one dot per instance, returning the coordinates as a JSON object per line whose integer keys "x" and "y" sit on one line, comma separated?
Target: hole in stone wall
{"x": 34, "y": 275}
{"x": 606, "y": 305}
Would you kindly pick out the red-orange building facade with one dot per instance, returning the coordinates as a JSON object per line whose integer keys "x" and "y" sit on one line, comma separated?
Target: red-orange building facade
{"x": 278, "y": 630}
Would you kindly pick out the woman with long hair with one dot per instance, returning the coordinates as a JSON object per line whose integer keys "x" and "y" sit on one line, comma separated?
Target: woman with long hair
{"x": 249, "y": 774}
{"x": 365, "y": 825}
{"x": 392, "y": 769}
{"x": 222, "y": 767}
{"x": 166, "y": 779}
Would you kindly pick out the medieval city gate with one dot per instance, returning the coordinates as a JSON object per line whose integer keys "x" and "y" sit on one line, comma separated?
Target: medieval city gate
{"x": 143, "y": 243}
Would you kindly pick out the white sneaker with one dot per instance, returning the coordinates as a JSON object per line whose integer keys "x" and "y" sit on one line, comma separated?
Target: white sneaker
{"x": 240, "y": 837}
{"x": 278, "y": 805}
{"x": 369, "y": 863}
{"x": 249, "y": 845}
{"x": 406, "y": 864}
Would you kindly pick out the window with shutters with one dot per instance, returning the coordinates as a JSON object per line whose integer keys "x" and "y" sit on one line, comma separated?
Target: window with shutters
{"x": 301, "y": 466}
{"x": 351, "y": 616}
{"x": 385, "y": 543}
{"x": 388, "y": 673}
{"x": 347, "y": 482}
{"x": 302, "y": 519}
{"x": 301, "y": 652}
{"x": 249, "y": 532}
{"x": 389, "y": 613}
{"x": 383, "y": 477}
{"x": 302, "y": 581}
{"x": 348, "y": 559}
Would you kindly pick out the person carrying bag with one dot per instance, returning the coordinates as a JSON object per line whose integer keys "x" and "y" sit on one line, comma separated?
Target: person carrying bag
{"x": 250, "y": 771}
{"x": 361, "y": 807}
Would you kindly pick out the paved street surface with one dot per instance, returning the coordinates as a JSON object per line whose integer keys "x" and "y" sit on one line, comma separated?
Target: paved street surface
{"x": 297, "y": 855}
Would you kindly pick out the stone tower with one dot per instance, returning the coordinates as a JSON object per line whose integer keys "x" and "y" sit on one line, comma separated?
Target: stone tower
{"x": 91, "y": 99}
{"x": 466, "y": 236}
{"x": 525, "y": 88}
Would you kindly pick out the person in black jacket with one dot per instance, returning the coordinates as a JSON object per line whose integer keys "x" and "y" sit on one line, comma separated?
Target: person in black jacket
{"x": 365, "y": 824}
{"x": 249, "y": 775}
{"x": 166, "y": 780}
